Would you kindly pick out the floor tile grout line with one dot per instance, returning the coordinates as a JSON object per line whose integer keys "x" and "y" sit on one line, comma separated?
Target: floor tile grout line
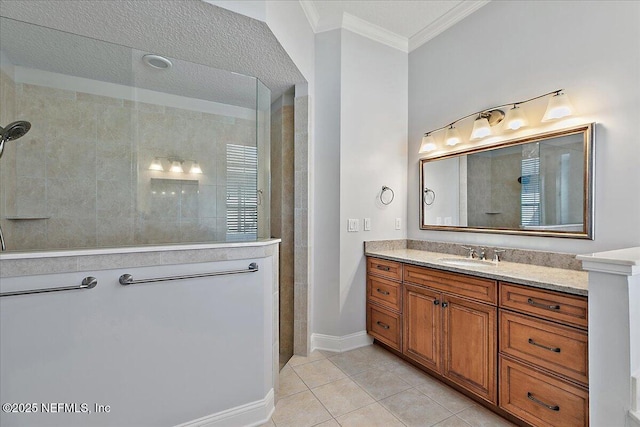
{"x": 390, "y": 365}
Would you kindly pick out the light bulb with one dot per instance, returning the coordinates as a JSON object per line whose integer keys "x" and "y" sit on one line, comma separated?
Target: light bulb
{"x": 559, "y": 106}
{"x": 515, "y": 118}
{"x": 176, "y": 166}
{"x": 481, "y": 128}
{"x": 156, "y": 165}
{"x": 195, "y": 168}
{"x": 452, "y": 136}
{"x": 428, "y": 143}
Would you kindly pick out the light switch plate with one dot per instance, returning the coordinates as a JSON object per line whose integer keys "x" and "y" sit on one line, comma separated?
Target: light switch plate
{"x": 353, "y": 225}
{"x": 367, "y": 224}
{"x": 398, "y": 223}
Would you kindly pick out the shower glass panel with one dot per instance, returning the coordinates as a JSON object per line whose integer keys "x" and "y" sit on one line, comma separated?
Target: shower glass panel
{"x": 121, "y": 153}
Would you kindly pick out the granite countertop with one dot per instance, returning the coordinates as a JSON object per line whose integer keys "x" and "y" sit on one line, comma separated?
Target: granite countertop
{"x": 555, "y": 279}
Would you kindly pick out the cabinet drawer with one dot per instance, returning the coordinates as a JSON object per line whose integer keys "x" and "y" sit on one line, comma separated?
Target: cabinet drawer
{"x": 550, "y": 305}
{"x": 384, "y": 268}
{"x": 473, "y": 287}
{"x": 561, "y": 349}
{"x": 384, "y": 325}
{"x": 384, "y": 292}
{"x": 541, "y": 399}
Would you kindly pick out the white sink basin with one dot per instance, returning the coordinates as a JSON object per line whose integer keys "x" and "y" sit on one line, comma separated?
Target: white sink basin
{"x": 466, "y": 262}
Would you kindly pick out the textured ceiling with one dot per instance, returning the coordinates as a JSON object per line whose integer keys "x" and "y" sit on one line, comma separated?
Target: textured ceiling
{"x": 187, "y": 30}
{"x": 42, "y": 48}
{"x": 405, "y": 18}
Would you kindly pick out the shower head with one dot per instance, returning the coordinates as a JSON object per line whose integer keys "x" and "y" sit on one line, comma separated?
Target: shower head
{"x": 13, "y": 131}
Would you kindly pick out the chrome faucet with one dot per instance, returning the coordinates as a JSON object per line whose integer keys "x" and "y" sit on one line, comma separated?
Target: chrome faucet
{"x": 472, "y": 252}
{"x": 496, "y": 254}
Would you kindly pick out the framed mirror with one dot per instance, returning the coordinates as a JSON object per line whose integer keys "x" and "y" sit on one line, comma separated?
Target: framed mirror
{"x": 540, "y": 185}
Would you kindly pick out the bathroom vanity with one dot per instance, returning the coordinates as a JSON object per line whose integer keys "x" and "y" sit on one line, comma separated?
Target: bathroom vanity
{"x": 513, "y": 336}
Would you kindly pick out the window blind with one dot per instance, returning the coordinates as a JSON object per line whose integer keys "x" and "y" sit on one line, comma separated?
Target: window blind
{"x": 530, "y": 192}
{"x": 242, "y": 192}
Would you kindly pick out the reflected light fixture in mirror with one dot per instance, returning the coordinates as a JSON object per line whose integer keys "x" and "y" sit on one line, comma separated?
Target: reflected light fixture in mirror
{"x": 558, "y": 107}
{"x": 195, "y": 168}
{"x": 176, "y": 166}
{"x": 156, "y": 165}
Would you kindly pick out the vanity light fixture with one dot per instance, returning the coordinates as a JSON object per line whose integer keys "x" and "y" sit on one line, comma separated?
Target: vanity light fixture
{"x": 559, "y": 106}
{"x": 428, "y": 143}
{"x": 515, "y": 118}
{"x": 452, "y": 136}
{"x": 481, "y": 128}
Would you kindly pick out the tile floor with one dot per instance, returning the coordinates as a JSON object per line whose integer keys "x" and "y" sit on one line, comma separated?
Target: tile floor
{"x": 370, "y": 387}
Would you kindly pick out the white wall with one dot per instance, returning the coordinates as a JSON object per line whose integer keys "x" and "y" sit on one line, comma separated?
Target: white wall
{"x": 326, "y": 183}
{"x": 509, "y": 51}
{"x": 157, "y": 353}
{"x": 443, "y": 177}
{"x": 289, "y": 24}
{"x": 373, "y": 153}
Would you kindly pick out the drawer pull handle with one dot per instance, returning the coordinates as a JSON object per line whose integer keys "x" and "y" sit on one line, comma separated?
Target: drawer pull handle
{"x": 554, "y": 349}
{"x": 546, "y": 307}
{"x": 382, "y": 292}
{"x": 382, "y": 325}
{"x": 383, "y": 267}
{"x": 436, "y": 302}
{"x": 541, "y": 403}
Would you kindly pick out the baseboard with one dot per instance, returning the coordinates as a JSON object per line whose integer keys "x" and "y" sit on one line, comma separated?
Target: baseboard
{"x": 340, "y": 344}
{"x": 249, "y": 415}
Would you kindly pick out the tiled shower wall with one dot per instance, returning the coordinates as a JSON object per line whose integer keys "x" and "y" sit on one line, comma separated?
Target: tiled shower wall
{"x": 493, "y": 190}
{"x": 80, "y": 177}
{"x": 282, "y": 218}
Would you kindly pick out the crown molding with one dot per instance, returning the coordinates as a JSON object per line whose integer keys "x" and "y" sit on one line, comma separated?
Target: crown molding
{"x": 447, "y": 20}
{"x": 384, "y": 36}
{"x": 374, "y": 32}
{"x": 311, "y": 13}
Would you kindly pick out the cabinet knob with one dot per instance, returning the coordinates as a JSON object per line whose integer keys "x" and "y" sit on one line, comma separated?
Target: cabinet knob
{"x": 436, "y": 302}
{"x": 445, "y": 305}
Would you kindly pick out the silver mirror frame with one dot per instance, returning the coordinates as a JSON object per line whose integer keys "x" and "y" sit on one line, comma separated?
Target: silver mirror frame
{"x": 588, "y": 131}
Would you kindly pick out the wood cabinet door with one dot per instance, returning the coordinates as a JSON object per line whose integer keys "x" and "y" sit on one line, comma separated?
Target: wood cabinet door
{"x": 470, "y": 346}
{"x": 423, "y": 326}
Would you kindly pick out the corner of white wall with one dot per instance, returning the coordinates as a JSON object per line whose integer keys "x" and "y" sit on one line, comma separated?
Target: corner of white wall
{"x": 340, "y": 344}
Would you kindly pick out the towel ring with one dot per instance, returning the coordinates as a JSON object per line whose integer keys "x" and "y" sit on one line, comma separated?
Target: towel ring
{"x": 384, "y": 190}
{"x": 429, "y": 196}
